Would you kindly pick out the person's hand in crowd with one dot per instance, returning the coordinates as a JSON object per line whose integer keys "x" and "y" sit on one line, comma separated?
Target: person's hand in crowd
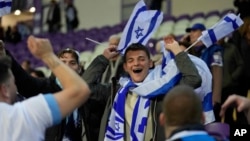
{"x": 40, "y": 48}
{"x": 172, "y": 45}
{"x": 110, "y": 52}
{"x": 241, "y": 103}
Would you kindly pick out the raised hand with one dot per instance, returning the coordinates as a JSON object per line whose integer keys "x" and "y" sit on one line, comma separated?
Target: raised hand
{"x": 39, "y": 47}
{"x": 172, "y": 45}
{"x": 110, "y": 52}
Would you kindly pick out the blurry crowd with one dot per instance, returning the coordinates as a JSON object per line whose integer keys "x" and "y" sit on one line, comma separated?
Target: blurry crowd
{"x": 54, "y": 16}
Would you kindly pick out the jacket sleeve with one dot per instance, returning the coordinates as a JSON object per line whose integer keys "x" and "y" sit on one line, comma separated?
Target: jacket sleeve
{"x": 27, "y": 85}
{"x": 95, "y": 70}
{"x": 190, "y": 75}
{"x": 99, "y": 92}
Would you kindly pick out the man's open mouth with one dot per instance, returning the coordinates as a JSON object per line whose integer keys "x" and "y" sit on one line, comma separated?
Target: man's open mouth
{"x": 137, "y": 70}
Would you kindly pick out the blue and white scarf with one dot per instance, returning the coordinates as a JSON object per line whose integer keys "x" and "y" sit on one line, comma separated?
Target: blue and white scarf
{"x": 158, "y": 81}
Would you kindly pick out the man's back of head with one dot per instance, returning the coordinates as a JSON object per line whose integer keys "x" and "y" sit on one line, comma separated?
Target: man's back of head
{"x": 182, "y": 107}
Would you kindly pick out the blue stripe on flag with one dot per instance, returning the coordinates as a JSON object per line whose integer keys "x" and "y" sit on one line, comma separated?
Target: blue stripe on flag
{"x": 110, "y": 130}
{"x": 164, "y": 61}
{"x": 165, "y": 88}
{"x": 5, "y": 4}
{"x": 151, "y": 26}
{"x": 228, "y": 19}
{"x": 131, "y": 26}
{"x": 207, "y": 102}
{"x": 212, "y": 35}
{"x": 115, "y": 138}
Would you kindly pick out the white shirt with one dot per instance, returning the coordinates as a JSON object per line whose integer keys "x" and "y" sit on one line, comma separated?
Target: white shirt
{"x": 28, "y": 120}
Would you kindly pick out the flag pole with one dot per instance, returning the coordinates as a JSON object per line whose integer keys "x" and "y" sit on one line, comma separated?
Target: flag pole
{"x": 192, "y": 45}
{"x": 93, "y": 41}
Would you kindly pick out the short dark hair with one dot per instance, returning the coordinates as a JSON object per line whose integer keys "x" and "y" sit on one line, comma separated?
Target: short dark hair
{"x": 182, "y": 106}
{"x": 74, "y": 53}
{"x": 136, "y": 47}
{"x": 5, "y": 64}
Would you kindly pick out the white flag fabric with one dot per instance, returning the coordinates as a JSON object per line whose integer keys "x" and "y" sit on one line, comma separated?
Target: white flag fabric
{"x": 5, "y": 7}
{"x": 225, "y": 26}
{"x": 141, "y": 25}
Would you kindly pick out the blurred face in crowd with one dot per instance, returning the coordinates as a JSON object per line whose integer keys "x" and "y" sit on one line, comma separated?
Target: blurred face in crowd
{"x": 70, "y": 58}
{"x": 194, "y": 35}
{"x": 137, "y": 65}
{"x": 9, "y": 89}
{"x": 114, "y": 42}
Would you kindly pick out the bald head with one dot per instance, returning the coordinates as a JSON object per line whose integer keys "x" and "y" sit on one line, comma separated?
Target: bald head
{"x": 182, "y": 107}
{"x": 114, "y": 40}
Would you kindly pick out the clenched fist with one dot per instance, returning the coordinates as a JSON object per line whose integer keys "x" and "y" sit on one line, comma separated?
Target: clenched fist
{"x": 39, "y": 47}
{"x": 172, "y": 45}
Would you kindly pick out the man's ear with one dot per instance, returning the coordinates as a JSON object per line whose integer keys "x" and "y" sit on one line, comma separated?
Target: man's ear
{"x": 125, "y": 67}
{"x": 3, "y": 91}
{"x": 162, "y": 119}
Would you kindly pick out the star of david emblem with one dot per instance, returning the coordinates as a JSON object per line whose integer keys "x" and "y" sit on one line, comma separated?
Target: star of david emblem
{"x": 117, "y": 127}
{"x": 138, "y": 32}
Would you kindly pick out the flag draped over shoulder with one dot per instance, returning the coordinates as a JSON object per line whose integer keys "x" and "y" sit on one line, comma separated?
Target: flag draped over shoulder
{"x": 158, "y": 82}
{"x": 225, "y": 26}
{"x": 141, "y": 25}
{"x": 5, "y": 7}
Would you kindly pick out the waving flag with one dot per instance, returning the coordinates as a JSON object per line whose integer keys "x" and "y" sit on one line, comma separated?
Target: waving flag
{"x": 141, "y": 25}
{"x": 5, "y": 7}
{"x": 225, "y": 26}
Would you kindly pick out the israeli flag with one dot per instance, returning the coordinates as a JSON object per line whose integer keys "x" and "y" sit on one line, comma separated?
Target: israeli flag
{"x": 141, "y": 25}
{"x": 5, "y": 7}
{"x": 225, "y": 26}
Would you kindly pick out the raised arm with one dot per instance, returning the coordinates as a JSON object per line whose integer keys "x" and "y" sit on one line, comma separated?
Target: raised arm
{"x": 21, "y": 76}
{"x": 94, "y": 72}
{"x": 75, "y": 90}
{"x": 190, "y": 75}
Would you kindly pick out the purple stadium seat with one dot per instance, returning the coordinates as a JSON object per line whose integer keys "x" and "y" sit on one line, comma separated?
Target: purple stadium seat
{"x": 183, "y": 17}
{"x": 197, "y": 18}
{"x": 226, "y": 11}
{"x": 168, "y": 18}
{"x": 198, "y": 15}
{"x": 218, "y": 129}
{"x": 212, "y": 13}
